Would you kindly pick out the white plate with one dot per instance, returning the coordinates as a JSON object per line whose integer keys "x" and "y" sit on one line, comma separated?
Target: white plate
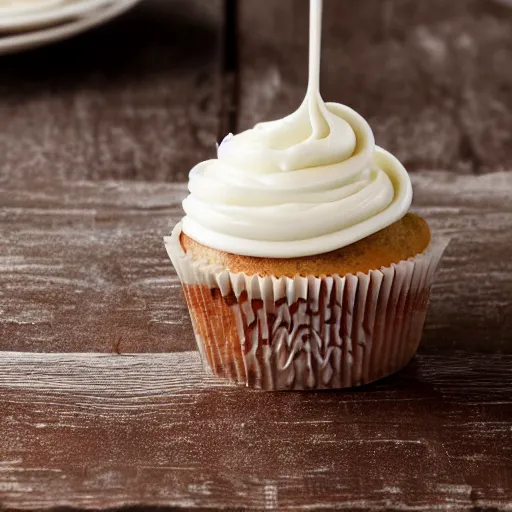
{"x": 14, "y": 7}
{"x": 40, "y": 13}
{"x": 20, "y": 42}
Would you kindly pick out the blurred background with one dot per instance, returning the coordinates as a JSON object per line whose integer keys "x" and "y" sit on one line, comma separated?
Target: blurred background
{"x": 146, "y": 96}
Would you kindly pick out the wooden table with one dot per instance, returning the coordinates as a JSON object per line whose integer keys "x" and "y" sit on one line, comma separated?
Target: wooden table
{"x": 103, "y": 402}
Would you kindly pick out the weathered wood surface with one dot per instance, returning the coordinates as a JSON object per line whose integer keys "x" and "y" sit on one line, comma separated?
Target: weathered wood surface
{"x": 94, "y": 431}
{"x": 135, "y": 99}
{"x": 92, "y": 129}
{"x": 433, "y": 77}
{"x": 83, "y": 267}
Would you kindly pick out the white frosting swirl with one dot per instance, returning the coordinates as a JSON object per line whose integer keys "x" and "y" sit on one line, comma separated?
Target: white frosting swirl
{"x": 307, "y": 184}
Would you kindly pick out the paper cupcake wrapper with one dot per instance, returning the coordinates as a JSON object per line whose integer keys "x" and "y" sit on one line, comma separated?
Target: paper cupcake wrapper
{"x": 327, "y": 332}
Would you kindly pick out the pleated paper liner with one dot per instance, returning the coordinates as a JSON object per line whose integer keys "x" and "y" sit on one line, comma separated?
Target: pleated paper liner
{"x": 327, "y": 332}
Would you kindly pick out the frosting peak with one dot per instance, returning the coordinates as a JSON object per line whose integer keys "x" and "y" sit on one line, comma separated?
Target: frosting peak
{"x": 307, "y": 184}
{"x": 310, "y": 137}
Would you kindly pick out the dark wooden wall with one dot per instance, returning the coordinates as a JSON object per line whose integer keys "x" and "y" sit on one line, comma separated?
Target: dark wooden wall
{"x": 144, "y": 98}
{"x": 432, "y": 77}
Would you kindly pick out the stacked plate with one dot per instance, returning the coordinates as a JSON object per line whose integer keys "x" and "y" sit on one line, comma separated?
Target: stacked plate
{"x": 26, "y": 24}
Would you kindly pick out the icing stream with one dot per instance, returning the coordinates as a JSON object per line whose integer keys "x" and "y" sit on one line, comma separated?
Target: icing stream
{"x": 306, "y": 184}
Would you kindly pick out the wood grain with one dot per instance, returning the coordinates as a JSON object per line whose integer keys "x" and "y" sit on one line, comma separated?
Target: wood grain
{"x": 83, "y": 267}
{"x": 134, "y": 99}
{"x": 93, "y": 431}
{"x": 432, "y": 78}
{"x": 103, "y": 404}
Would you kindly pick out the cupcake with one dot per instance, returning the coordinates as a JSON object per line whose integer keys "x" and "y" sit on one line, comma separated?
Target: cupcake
{"x": 301, "y": 264}
{"x": 304, "y": 270}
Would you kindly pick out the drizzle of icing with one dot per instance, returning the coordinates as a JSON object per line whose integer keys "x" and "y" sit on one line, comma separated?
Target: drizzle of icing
{"x": 307, "y": 184}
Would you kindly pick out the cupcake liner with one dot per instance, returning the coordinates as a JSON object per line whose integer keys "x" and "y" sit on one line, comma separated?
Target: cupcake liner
{"x": 326, "y": 332}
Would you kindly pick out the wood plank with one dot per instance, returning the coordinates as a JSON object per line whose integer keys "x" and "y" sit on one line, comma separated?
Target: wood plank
{"x": 471, "y": 305}
{"x": 432, "y": 78}
{"x": 93, "y": 431}
{"x": 83, "y": 267}
{"x": 135, "y": 99}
